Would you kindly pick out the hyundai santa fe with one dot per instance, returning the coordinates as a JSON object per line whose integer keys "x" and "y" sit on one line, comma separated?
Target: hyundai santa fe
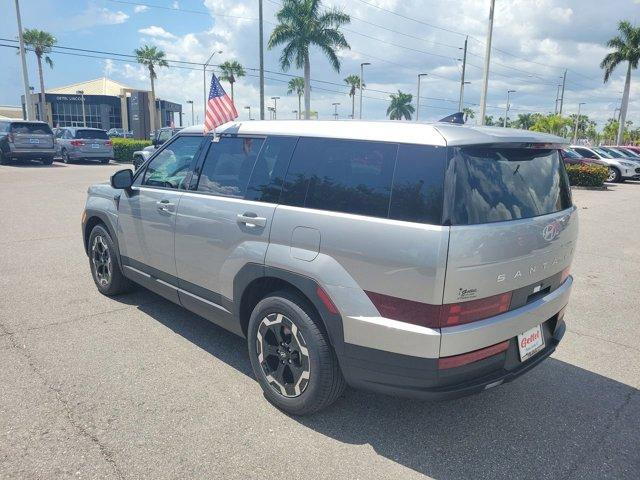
{"x": 421, "y": 260}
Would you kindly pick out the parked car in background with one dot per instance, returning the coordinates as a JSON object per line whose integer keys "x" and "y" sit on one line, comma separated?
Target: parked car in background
{"x": 571, "y": 157}
{"x": 161, "y": 136}
{"x": 627, "y": 152}
{"x": 633, "y": 148}
{"x": 428, "y": 261}
{"x": 119, "y": 133}
{"x": 616, "y": 153}
{"x": 26, "y": 140}
{"x": 620, "y": 169}
{"x": 80, "y": 143}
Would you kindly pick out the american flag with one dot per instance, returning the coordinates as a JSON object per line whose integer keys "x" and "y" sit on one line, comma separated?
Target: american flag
{"x": 220, "y": 108}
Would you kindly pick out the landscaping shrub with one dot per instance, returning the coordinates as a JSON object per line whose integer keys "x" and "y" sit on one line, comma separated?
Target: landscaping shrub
{"x": 123, "y": 148}
{"x": 587, "y": 175}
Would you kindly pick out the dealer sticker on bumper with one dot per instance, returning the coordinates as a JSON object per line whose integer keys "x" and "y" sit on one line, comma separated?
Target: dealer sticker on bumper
{"x": 530, "y": 342}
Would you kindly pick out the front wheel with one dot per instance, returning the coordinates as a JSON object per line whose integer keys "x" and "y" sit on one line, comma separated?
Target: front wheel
{"x": 4, "y": 160}
{"x": 291, "y": 355}
{"x": 614, "y": 175}
{"x": 65, "y": 156}
{"x": 103, "y": 261}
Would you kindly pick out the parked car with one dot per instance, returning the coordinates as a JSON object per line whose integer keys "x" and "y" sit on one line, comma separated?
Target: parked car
{"x": 81, "y": 143}
{"x": 428, "y": 261}
{"x": 26, "y": 140}
{"x": 620, "y": 169}
{"x": 633, "y": 148}
{"x": 119, "y": 133}
{"x": 625, "y": 152}
{"x": 160, "y": 137}
{"x": 571, "y": 157}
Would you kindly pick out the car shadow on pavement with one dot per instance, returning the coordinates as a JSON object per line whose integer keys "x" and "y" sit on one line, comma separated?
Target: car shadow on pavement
{"x": 557, "y": 421}
{"x": 31, "y": 164}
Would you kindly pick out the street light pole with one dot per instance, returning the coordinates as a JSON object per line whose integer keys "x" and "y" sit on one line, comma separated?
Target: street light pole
{"x": 275, "y": 107}
{"x": 192, "y": 117}
{"x": 25, "y": 74}
{"x": 420, "y": 75}
{"x": 248, "y": 107}
{"x": 564, "y": 79}
{"x": 204, "y": 80}
{"x": 462, "y": 82}
{"x": 506, "y": 110}
{"x": 335, "y": 111}
{"x": 84, "y": 118}
{"x": 575, "y": 130}
{"x": 487, "y": 56}
{"x": 361, "y": 82}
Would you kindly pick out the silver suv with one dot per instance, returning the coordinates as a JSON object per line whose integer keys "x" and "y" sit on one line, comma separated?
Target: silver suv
{"x": 429, "y": 261}
{"x": 82, "y": 143}
{"x": 26, "y": 140}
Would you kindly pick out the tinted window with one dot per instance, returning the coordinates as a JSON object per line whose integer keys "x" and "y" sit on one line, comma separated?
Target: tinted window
{"x": 584, "y": 152}
{"x": 268, "y": 173}
{"x": 228, "y": 166}
{"x": 571, "y": 154}
{"x": 169, "y": 169}
{"x": 341, "y": 175}
{"x": 92, "y": 134}
{"x": 492, "y": 185}
{"x": 35, "y": 128}
{"x": 418, "y": 184}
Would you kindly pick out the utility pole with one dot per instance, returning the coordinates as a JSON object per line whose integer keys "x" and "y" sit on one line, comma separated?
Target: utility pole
{"x": 361, "y": 83}
{"x": 275, "y": 107}
{"x": 464, "y": 68}
{"x": 506, "y": 110}
{"x": 418, "y": 100}
{"x": 248, "y": 107}
{"x": 487, "y": 57}
{"x": 575, "y": 130}
{"x": 555, "y": 110}
{"x": 335, "y": 111}
{"x": 192, "y": 117}
{"x": 28, "y": 105}
{"x": 564, "y": 79}
{"x": 260, "y": 21}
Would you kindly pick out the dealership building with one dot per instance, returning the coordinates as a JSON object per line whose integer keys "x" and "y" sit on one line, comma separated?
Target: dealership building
{"x": 104, "y": 103}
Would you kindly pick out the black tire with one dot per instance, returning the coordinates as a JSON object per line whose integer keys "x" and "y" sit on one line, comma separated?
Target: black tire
{"x": 65, "y": 156}
{"x": 319, "y": 365}
{"x": 614, "y": 175}
{"x": 115, "y": 282}
{"x": 4, "y": 160}
{"x": 47, "y": 161}
{"x": 104, "y": 161}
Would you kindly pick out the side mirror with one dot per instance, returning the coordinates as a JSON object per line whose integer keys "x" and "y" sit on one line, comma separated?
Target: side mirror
{"x": 122, "y": 179}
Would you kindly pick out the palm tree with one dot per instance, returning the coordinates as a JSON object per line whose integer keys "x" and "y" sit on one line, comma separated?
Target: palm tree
{"x": 296, "y": 85}
{"x": 626, "y": 49}
{"x": 151, "y": 57}
{"x": 41, "y": 43}
{"x": 468, "y": 113}
{"x": 354, "y": 82}
{"x": 525, "y": 121}
{"x": 231, "y": 71}
{"x": 301, "y": 25}
{"x": 400, "y": 106}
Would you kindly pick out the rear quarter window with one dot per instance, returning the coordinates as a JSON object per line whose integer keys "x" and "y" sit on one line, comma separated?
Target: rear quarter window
{"x": 34, "y": 128}
{"x": 487, "y": 185}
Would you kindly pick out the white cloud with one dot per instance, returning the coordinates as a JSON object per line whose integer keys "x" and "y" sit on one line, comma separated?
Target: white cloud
{"x": 94, "y": 16}
{"x": 175, "y": 5}
{"x": 109, "y": 67}
{"x": 140, "y": 8}
{"x": 157, "y": 32}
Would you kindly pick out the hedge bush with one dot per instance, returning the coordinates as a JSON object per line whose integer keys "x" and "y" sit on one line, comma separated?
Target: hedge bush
{"x": 123, "y": 148}
{"x": 587, "y": 175}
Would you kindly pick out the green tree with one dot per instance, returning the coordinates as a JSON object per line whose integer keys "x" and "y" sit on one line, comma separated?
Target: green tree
{"x": 354, "y": 82}
{"x": 524, "y": 121}
{"x": 296, "y": 85}
{"x": 584, "y": 125}
{"x": 552, "y": 123}
{"x": 41, "y": 43}
{"x": 151, "y": 57}
{"x": 626, "y": 48}
{"x": 468, "y": 113}
{"x": 488, "y": 121}
{"x": 231, "y": 71}
{"x": 400, "y": 106}
{"x": 303, "y": 24}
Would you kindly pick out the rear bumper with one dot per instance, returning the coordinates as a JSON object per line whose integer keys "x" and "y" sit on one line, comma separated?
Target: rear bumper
{"x": 29, "y": 154}
{"x": 90, "y": 155}
{"x": 412, "y": 377}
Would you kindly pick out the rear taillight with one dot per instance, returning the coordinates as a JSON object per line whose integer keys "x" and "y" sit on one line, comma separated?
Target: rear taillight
{"x": 77, "y": 143}
{"x": 475, "y": 356}
{"x": 326, "y": 300}
{"x": 108, "y": 143}
{"x": 436, "y": 316}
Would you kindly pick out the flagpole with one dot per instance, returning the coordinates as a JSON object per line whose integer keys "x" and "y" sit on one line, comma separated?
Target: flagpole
{"x": 261, "y": 60}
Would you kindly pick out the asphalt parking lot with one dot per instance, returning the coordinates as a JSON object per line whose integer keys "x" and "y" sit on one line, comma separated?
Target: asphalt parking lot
{"x": 136, "y": 387}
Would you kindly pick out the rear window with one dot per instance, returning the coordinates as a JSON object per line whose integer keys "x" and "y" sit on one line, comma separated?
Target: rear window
{"x": 92, "y": 134}
{"x": 35, "y": 128}
{"x": 496, "y": 184}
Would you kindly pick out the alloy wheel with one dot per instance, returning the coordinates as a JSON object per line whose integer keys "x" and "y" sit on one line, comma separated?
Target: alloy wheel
{"x": 101, "y": 259}
{"x": 283, "y": 355}
{"x": 612, "y": 175}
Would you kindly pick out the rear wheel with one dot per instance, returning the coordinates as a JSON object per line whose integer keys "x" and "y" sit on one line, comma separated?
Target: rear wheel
{"x": 65, "y": 156}
{"x": 104, "y": 161}
{"x": 614, "y": 175}
{"x": 291, "y": 355}
{"x": 103, "y": 261}
{"x": 47, "y": 161}
{"x": 4, "y": 160}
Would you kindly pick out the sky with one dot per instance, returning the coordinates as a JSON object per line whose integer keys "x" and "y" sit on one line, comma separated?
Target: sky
{"x": 534, "y": 41}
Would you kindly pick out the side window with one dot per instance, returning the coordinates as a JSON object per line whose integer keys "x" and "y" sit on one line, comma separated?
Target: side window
{"x": 268, "y": 173}
{"x": 4, "y": 127}
{"x": 169, "y": 169}
{"x": 67, "y": 134}
{"x": 164, "y": 135}
{"x": 583, "y": 152}
{"x": 418, "y": 184}
{"x": 341, "y": 175}
{"x": 228, "y": 166}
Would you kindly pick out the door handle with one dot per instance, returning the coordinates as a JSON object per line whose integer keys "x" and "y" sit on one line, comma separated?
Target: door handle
{"x": 165, "y": 206}
{"x": 251, "y": 220}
